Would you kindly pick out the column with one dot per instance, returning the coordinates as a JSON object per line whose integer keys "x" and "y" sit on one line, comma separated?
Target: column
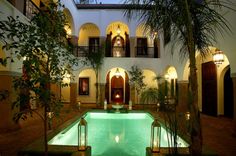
{"x": 6, "y": 111}
{"x": 182, "y": 91}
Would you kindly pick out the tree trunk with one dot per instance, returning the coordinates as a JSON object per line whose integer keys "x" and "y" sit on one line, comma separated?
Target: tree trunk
{"x": 196, "y": 132}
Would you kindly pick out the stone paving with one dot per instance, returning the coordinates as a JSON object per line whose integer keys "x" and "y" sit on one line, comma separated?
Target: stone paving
{"x": 218, "y": 134}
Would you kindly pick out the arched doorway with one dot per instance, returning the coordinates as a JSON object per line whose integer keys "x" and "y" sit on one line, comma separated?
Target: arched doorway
{"x": 117, "y": 89}
{"x": 228, "y": 95}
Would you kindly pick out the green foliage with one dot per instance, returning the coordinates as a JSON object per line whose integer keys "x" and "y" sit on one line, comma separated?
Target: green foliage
{"x": 150, "y": 96}
{"x": 192, "y": 25}
{"x": 95, "y": 60}
{"x": 47, "y": 57}
{"x": 136, "y": 79}
{"x": 4, "y": 94}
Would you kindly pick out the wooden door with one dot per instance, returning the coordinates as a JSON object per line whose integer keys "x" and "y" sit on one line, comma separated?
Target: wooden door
{"x": 209, "y": 88}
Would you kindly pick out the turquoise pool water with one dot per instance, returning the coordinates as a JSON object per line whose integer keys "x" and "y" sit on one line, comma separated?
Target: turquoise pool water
{"x": 116, "y": 134}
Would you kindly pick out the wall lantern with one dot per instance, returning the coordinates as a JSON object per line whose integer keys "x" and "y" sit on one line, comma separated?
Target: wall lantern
{"x": 117, "y": 73}
{"x": 218, "y": 57}
{"x": 187, "y": 115}
{"x": 82, "y": 134}
{"x": 155, "y": 141}
{"x": 68, "y": 31}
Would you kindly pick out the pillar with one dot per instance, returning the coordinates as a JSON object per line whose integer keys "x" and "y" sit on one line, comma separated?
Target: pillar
{"x": 73, "y": 93}
{"x": 182, "y": 95}
{"x": 6, "y": 111}
{"x": 132, "y": 46}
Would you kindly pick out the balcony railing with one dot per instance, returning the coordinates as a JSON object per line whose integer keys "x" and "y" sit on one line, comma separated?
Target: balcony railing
{"x": 81, "y": 51}
{"x": 147, "y": 52}
{"x": 30, "y": 9}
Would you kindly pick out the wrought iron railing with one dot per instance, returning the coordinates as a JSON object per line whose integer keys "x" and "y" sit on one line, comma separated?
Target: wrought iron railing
{"x": 148, "y": 52}
{"x": 30, "y": 9}
{"x": 81, "y": 51}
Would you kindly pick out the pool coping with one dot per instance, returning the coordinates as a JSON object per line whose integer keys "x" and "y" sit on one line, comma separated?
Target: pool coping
{"x": 37, "y": 146}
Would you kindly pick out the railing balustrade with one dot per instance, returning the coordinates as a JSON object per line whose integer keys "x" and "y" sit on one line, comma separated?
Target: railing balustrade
{"x": 147, "y": 52}
{"x": 30, "y": 9}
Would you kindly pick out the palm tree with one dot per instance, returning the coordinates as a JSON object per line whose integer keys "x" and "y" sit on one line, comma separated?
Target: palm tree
{"x": 192, "y": 24}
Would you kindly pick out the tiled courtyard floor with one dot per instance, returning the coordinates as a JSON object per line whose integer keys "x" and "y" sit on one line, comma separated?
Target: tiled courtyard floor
{"x": 217, "y": 134}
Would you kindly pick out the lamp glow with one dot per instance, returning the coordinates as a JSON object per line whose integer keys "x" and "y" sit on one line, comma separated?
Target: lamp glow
{"x": 117, "y": 73}
{"x": 82, "y": 135}
{"x": 155, "y": 136}
{"x": 218, "y": 57}
{"x": 117, "y": 139}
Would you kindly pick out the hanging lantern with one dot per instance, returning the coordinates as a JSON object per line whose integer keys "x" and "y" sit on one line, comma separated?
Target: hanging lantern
{"x": 118, "y": 31}
{"x": 117, "y": 73}
{"x": 187, "y": 115}
{"x": 218, "y": 57}
{"x": 155, "y": 136}
{"x": 82, "y": 134}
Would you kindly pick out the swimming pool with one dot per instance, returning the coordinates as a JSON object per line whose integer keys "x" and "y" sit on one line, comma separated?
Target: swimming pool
{"x": 119, "y": 134}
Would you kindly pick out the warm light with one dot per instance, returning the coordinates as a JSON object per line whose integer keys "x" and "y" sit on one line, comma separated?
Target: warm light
{"x": 68, "y": 30}
{"x": 117, "y": 73}
{"x": 155, "y": 136}
{"x": 218, "y": 57}
{"x": 187, "y": 115}
{"x": 82, "y": 134}
{"x": 118, "y": 31}
{"x": 167, "y": 76}
{"x": 117, "y": 139}
{"x": 117, "y": 96}
{"x": 50, "y": 115}
{"x": 118, "y": 41}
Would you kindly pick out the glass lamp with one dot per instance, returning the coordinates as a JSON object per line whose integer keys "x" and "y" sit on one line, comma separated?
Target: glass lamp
{"x": 155, "y": 136}
{"x": 117, "y": 73}
{"x": 218, "y": 57}
{"x": 82, "y": 134}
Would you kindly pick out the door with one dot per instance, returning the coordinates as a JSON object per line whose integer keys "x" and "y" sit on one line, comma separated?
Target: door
{"x": 93, "y": 44}
{"x": 209, "y": 89}
{"x": 141, "y": 46}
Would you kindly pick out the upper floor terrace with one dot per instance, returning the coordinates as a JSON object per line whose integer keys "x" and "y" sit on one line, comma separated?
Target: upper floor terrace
{"x": 119, "y": 38}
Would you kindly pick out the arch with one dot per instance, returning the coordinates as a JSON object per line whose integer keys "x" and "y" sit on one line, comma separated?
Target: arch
{"x": 227, "y": 93}
{"x": 170, "y": 75}
{"x": 86, "y": 31}
{"x": 220, "y": 77}
{"x": 91, "y": 97}
{"x": 70, "y": 20}
{"x": 117, "y": 86}
{"x": 113, "y": 28}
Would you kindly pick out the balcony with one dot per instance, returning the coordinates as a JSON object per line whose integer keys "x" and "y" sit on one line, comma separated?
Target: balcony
{"x": 28, "y": 8}
{"x": 147, "y": 52}
{"x": 143, "y": 52}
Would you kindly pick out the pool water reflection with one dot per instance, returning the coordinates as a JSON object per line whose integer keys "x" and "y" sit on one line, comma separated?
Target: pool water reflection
{"x": 116, "y": 134}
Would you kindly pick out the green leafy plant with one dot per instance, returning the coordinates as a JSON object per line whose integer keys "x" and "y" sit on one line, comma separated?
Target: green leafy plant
{"x": 190, "y": 25}
{"x": 47, "y": 60}
{"x": 136, "y": 79}
{"x": 95, "y": 60}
